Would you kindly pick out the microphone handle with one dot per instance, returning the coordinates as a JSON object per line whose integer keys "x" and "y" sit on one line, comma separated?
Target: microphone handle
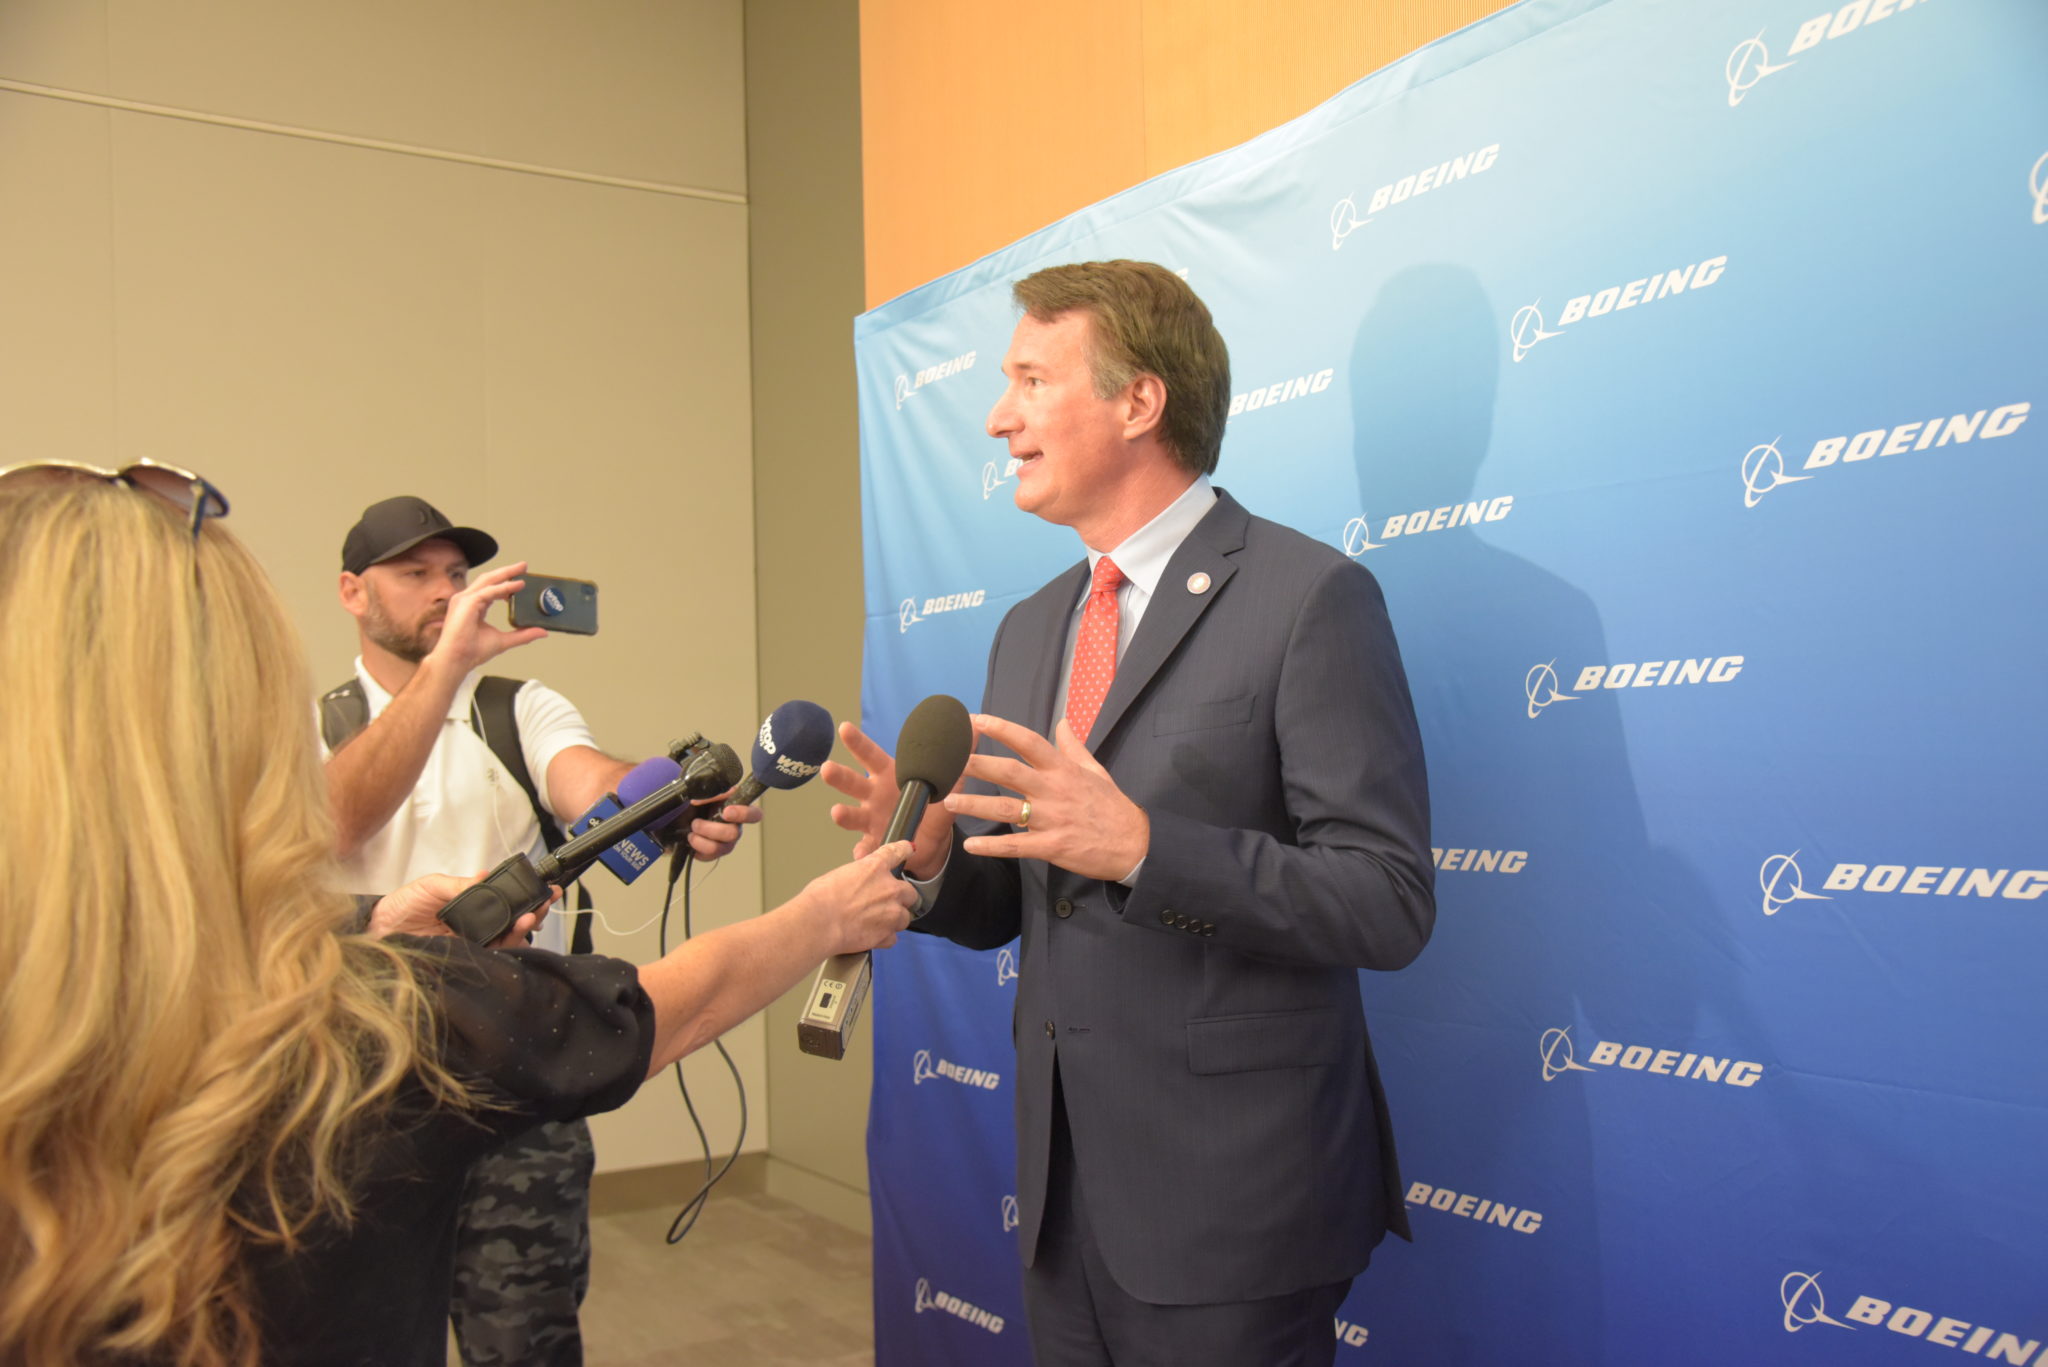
{"x": 916, "y": 796}
{"x": 826, "y": 1025}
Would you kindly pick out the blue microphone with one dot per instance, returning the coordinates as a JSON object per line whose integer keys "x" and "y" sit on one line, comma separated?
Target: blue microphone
{"x": 639, "y": 851}
{"x": 793, "y": 741}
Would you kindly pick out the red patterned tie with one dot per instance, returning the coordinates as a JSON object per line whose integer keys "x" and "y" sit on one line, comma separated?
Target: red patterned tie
{"x": 1095, "y": 649}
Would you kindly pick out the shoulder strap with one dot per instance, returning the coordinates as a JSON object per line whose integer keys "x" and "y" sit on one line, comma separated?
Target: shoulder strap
{"x": 344, "y": 711}
{"x": 493, "y": 715}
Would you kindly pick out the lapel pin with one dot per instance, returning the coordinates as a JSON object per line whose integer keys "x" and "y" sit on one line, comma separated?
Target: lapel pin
{"x": 1198, "y": 582}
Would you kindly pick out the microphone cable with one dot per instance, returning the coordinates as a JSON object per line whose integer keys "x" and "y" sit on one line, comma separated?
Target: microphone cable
{"x": 681, "y": 861}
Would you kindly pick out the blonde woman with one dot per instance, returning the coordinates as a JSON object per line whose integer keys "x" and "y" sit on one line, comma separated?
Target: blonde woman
{"x": 228, "y": 1134}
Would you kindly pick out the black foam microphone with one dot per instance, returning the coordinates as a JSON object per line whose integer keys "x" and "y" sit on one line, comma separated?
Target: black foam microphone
{"x": 485, "y": 912}
{"x": 931, "y": 754}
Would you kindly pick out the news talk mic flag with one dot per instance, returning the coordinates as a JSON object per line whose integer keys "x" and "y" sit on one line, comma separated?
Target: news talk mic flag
{"x": 1673, "y": 368}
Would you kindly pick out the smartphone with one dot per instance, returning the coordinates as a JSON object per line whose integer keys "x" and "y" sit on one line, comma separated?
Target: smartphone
{"x": 558, "y": 604}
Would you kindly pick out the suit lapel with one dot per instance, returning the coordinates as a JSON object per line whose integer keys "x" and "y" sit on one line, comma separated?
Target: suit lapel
{"x": 1174, "y": 609}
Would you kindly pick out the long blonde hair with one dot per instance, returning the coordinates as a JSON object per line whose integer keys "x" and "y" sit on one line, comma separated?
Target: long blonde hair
{"x": 188, "y": 1049}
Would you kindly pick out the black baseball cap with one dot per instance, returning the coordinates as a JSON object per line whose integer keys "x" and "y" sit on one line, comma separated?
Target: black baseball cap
{"x": 396, "y": 525}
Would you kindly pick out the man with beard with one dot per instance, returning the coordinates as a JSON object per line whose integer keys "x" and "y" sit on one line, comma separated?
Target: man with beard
{"x": 420, "y": 783}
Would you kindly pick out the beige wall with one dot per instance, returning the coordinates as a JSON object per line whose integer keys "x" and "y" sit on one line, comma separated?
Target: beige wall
{"x": 803, "y": 172}
{"x": 981, "y": 123}
{"x": 316, "y": 318}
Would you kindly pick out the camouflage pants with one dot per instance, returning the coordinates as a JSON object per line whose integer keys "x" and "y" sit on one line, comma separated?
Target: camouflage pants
{"x": 522, "y": 1251}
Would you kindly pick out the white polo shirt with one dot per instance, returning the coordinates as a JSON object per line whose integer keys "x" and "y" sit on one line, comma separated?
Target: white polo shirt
{"x": 467, "y": 814}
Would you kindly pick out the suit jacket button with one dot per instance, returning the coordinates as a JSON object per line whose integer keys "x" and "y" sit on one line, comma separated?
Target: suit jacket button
{"x": 1063, "y": 908}
{"x": 1048, "y": 1030}
{"x": 1166, "y": 916}
{"x": 1208, "y": 927}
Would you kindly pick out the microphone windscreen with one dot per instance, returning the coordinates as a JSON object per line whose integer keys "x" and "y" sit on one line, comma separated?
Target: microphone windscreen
{"x": 795, "y": 739}
{"x": 712, "y": 772}
{"x": 936, "y": 739}
{"x": 646, "y": 778}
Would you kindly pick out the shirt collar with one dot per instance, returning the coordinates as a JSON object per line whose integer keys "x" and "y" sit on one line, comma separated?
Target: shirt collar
{"x": 1145, "y": 553}
{"x": 458, "y": 706}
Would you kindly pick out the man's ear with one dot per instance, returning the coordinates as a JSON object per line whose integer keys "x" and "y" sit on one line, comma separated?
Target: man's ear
{"x": 1144, "y": 406}
{"x": 355, "y": 594}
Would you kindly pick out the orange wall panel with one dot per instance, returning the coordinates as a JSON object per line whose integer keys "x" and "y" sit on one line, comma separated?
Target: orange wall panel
{"x": 980, "y": 124}
{"x": 1220, "y": 72}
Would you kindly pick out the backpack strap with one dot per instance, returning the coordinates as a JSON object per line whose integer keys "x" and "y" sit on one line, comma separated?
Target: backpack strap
{"x": 344, "y": 712}
{"x": 492, "y": 716}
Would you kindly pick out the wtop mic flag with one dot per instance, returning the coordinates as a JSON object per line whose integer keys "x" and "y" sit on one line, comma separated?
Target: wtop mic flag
{"x": 793, "y": 742}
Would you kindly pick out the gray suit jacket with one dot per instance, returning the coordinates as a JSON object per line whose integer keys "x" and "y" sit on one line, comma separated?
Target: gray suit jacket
{"x": 1227, "y": 1117}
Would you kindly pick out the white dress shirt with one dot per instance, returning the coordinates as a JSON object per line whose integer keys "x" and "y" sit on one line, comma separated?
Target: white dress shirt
{"x": 466, "y": 814}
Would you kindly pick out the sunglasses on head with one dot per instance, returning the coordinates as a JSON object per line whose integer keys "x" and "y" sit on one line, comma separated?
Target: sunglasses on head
{"x": 193, "y": 493}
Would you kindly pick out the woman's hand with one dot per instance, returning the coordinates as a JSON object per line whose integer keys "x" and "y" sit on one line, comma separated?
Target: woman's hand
{"x": 415, "y": 910}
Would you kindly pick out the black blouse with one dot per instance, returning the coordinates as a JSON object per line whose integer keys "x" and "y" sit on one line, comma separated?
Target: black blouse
{"x": 540, "y": 1037}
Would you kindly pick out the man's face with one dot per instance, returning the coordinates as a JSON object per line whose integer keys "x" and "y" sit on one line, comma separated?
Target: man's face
{"x": 1071, "y": 444}
{"x": 407, "y": 597}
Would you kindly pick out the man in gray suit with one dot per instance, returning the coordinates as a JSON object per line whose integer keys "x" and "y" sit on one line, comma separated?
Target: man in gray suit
{"x": 1215, "y": 814}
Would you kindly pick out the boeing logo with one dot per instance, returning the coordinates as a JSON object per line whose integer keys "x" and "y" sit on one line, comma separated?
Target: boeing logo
{"x": 923, "y": 1067}
{"x": 1344, "y": 221}
{"x": 1804, "y": 1303}
{"x": 1527, "y": 329}
{"x": 1940, "y": 880}
{"x": 906, "y": 385}
{"x": 1763, "y": 469}
{"x": 1010, "y": 1219}
{"x": 1800, "y": 1294}
{"x": 1783, "y": 884}
{"x": 1433, "y": 520}
{"x": 1924, "y": 434}
{"x": 1480, "y": 861}
{"x": 994, "y": 477}
{"x": 1558, "y": 1055}
{"x": 1280, "y": 391}
{"x": 910, "y": 612}
{"x": 1006, "y": 966}
{"x": 2037, "y": 181}
{"x": 1540, "y": 684}
{"x": 1474, "y": 1208}
{"x": 1358, "y": 537}
{"x": 1560, "y": 1058}
{"x": 924, "y": 1298}
{"x": 1748, "y": 64}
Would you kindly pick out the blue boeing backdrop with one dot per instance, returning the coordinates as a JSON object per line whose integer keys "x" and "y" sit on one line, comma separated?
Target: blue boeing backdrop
{"x": 1672, "y": 366}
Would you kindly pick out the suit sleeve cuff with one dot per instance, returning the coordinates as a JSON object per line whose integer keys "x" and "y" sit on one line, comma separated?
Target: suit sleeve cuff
{"x": 1169, "y": 897}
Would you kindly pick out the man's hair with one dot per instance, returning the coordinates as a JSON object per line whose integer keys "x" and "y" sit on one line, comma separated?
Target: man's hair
{"x": 1146, "y": 321}
{"x": 192, "y": 1051}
